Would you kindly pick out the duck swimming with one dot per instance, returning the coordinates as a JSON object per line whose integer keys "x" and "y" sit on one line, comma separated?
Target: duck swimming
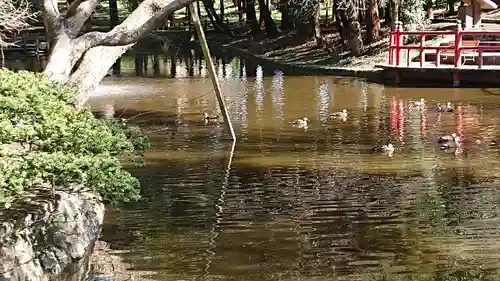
{"x": 389, "y": 149}
{"x": 300, "y": 122}
{"x": 452, "y": 144}
{"x": 446, "y": 139}
{"x": 342, "y": 114}
{"x": 445, "y": 108}
{"x": 207, "y": 117}
{"x": 421, "y": 102}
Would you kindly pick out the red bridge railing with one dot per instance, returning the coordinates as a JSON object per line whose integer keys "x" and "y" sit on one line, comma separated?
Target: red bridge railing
{"x": 458, "y": 46}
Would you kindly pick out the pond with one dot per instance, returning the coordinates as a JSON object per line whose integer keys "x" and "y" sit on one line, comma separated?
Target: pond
{"x": 288, "y": 203}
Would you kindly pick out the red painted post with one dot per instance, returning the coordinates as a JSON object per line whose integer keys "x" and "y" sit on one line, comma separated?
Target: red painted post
{"x": 399, "y": 40}
{"x": 458, "y": 44}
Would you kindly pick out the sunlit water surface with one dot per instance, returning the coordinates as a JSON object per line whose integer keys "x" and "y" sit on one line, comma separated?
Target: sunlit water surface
{"x": 314, "y": 204}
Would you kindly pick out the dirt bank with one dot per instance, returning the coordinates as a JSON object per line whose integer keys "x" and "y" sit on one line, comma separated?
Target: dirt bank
{"x": 287, "y": 49}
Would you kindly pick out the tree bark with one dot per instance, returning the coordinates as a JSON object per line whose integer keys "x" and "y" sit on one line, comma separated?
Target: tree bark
{"x": 211, "y": 18}
{"x": 240, "y": 11}
{"x": 451, "y": 6}
{"x": 113, "y": 13}
{"x": 395, "y": 11}
{"x": 252, "y": 17}
{"x": 222, "y": 14}
{"x": 96, "y": 51}
{"x": 286, "y": 22}
{"x": 114, "y": 21}
{"x": 338, "y": 20}
{"x": 216, "y": 20}
{"x": 317, "y": 26}
{"x": 373, "y": 22}
{"x": 265, "y": 14}
{"x": 351, "y": 29}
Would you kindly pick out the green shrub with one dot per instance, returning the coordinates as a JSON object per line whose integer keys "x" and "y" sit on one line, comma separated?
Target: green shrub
{"x": 46, "y": 141}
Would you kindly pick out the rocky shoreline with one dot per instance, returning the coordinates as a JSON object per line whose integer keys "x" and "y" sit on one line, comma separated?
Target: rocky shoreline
{"x": 47, "y": 236}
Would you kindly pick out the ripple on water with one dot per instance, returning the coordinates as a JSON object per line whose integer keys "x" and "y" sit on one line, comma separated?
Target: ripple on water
{"x": 313, "y": 204}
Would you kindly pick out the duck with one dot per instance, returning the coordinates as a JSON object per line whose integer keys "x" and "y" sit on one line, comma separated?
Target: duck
{"x": 207, "y": 117}
{"x": 386, "y": 148}
{"x": 389, "y": 148}
{"x": 445, "y": 108}
{"x": 419, "y": 103}
{"x": 341, "y": 114}
{"x": 451, "y": 144}
{"x": 300, "y": 122}
{"x": 448, "y": 138}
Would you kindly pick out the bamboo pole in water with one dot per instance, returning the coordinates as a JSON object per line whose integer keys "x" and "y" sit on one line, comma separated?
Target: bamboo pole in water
{"x": 211, "y": 68}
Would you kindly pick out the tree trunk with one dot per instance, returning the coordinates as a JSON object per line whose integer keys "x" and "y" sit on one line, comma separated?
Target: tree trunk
{"x": 114, "y": 21}
{"x": 240, "y": 11}
{"x": 387, "y": 14}
{"x": 211, "y": 18}
{"x": 96, "y": 52}
{"x": 221, "y": 3}
{"x": 429, "y": 6}
{"x": 286, "y": 23}
{"x": 209, "y": 7}
{"x": 271, "y": 29}
{"x": 113, "y": 13}
{"x": 395, "y": 11}
{"x": 252, "y": 17}
{"x": 372, "y": 22}
{"x": 451, "y": 6}
{"x": 315, "y": 20}
{"x": 351, "y": 29}
{"x": 338, "y": 20}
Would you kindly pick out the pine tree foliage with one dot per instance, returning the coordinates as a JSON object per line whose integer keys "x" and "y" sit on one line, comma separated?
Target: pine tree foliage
{"x": 413, "y": 14}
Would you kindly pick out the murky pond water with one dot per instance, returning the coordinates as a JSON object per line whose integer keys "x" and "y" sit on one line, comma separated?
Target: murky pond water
{"x": 315, "y": 204}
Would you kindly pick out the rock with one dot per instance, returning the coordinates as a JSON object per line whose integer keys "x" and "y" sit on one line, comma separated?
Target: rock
{"x": 46, "y": 238}
{"x": 107, "y": 266}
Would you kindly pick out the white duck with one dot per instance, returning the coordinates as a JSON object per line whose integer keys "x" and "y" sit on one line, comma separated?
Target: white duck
{"x": 342, "y": 114}
{"x": 300, "y": 122}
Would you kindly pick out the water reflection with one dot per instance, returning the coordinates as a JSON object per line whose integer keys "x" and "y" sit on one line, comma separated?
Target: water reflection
{"x": 178, "y": 63}
{"x": 323, "y": 102}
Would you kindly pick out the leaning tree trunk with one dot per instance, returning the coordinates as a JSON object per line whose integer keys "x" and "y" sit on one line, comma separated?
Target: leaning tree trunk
{"x": 372, "y": 21}
{"x": 209, "y": 7}
{"x": 271, "y": 29}
{"x": 96, "y": 52}
{"x": 211, "y": 18}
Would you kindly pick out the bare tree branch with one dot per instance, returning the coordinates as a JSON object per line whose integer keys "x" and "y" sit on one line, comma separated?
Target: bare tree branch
{"x": 125, "y": 34}
{"x": 13, "y": 18}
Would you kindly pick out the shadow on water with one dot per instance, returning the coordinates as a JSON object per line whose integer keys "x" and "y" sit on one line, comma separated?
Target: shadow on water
{"x": 312, "y": 204}
{"x": 315, "y": 203}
